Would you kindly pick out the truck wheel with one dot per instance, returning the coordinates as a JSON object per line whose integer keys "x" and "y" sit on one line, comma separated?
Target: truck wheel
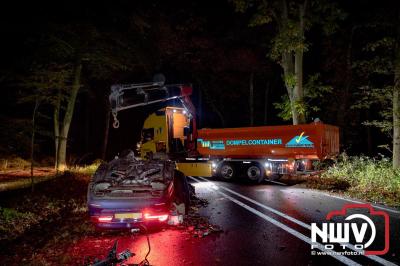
{"x": 255, "y": 173}
{"x": 226, "y": 171}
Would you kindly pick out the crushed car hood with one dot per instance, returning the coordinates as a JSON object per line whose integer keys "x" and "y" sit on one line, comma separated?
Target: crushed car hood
{"x": 130, "y": 177}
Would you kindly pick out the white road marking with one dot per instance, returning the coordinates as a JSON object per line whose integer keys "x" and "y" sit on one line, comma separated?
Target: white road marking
{"x": 262, "y": 205}
{"x": 276, "y": 182}
{"x": 291, "y": 231}
{"x": 294, "y": 220}
{"x": 357, "y": 201}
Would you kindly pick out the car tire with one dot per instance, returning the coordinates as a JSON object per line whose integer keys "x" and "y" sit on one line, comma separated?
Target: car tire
{"x": 182, "y": 192}
{"x": 255, "y": 173}
{"x": 226, "y": 172}
{"x": 100, "y": 171}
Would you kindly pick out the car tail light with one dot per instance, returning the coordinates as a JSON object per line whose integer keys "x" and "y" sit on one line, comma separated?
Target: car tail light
{"x": 160, "y": 217}
{"x": 104, "y": 219}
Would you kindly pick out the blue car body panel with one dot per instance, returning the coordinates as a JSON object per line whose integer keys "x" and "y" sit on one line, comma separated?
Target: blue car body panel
{"x": 129, "y": 186}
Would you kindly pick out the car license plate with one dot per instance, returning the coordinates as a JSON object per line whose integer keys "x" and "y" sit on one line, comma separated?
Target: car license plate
{"x": 128, "y": 215}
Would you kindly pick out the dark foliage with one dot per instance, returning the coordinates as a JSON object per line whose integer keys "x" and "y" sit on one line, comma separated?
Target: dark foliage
{"x": 205, "y": 43}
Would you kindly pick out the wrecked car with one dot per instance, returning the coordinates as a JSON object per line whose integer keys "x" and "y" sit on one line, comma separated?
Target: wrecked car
{"x": 128, "y": 191}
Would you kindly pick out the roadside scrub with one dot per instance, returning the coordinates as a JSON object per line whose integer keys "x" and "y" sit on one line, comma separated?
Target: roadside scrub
{"x": 54, "y": 193}
{"x": 14, "y": 222}
{"x": 19, "y": 177}
{"x": 22, "y": 210}
{"x": 85, "y": 170}
{"x": 13, "y": 162}
{"x": 362, "y": 177}
{"x": 44, "y": 221}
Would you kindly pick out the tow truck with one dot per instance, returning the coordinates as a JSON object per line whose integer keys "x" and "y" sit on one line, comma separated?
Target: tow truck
{"x": 169, "y": 133}
{"x": 254, "y": 152}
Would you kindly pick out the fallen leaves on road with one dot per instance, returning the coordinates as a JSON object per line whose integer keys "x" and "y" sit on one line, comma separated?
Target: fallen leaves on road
{"x": 195, "y": 224}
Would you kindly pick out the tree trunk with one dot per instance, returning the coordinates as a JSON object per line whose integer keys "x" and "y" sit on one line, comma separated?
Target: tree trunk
{"x": 62, "y": 153}
{"x": 287, "y": 61}
{"x": 69, "y": 112}
{"x": 33, "y": 141}
{"x": 56, "y": 117}
{"x": 298, "y": 93}
{"x": 251, "y": 98}
{"x": 345, "y": 95}
{"x": 292, "y": 64}
{"x": 289, "y": 74}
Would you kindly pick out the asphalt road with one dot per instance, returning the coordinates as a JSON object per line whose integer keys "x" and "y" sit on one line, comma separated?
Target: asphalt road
{"x": 264, "y": 224}
{"x": 270, "y": 224}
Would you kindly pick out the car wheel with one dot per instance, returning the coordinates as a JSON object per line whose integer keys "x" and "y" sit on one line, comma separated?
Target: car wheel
{"x": 182, "y": 192}
{"x": 226, "y": 171}
{"x": 255, "y": 173}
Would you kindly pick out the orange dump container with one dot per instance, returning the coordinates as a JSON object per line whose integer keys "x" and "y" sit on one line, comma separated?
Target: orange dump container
{"x": 312, "y": 141}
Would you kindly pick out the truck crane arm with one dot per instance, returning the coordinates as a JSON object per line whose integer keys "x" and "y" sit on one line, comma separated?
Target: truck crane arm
{"x": 128, "y": 96}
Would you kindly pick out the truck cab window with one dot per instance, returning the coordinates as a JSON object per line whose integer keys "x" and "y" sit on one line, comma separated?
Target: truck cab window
{"x": 147, "y": 134}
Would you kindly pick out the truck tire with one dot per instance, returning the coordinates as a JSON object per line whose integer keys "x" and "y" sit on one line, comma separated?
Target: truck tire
{"x": 255, "y": 173}
{"x": 226, "y": 171}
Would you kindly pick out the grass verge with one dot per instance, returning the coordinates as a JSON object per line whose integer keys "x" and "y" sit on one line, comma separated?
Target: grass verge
{"x": 46, "y": 219}
{"x": 361, "y": 177}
